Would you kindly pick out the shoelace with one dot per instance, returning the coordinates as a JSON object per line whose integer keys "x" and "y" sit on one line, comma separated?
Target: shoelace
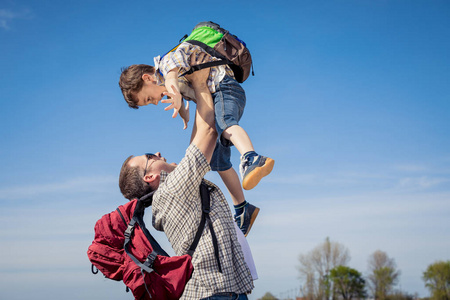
{"x": 240, "y": 219}
{"x": 246, "y": 163}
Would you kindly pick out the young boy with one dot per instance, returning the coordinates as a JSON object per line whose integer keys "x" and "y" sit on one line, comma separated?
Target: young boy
{"x": 142, "y": 85}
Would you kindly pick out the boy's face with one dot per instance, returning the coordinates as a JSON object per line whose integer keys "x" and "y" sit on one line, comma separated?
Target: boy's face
{"x": 151, "y": 93}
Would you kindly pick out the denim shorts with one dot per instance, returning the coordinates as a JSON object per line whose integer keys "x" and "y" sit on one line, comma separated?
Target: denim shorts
{"x": 229, "y": 103}
{"x": 227, "y": 296}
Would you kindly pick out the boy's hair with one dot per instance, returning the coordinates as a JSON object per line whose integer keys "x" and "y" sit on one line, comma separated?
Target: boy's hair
{"x": 131, "y": 183}
{"x": 131, "y": 81}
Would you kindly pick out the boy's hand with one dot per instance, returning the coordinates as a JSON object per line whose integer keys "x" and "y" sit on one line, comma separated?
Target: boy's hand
{"x": 174, "y": 99}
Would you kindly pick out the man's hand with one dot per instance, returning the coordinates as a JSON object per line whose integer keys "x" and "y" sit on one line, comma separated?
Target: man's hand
{"x": 184, "y": 114}
{"x": 199, "y": 77}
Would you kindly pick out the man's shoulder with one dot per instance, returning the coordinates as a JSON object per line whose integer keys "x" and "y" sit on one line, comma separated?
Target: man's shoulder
{"x": 195, "y": 156}
{"x": 192, "y": 167}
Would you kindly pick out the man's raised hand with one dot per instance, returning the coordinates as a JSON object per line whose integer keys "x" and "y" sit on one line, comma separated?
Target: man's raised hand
{"x": 200, "y": 76}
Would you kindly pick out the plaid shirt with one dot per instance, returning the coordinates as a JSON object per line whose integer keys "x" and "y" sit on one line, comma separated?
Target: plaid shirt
{"x": 180, "y": 58}
{"x": 176, "y": 210}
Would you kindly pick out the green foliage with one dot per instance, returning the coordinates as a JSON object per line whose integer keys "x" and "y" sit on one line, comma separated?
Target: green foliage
{"x": 315, "y": 267}
{"x": 398, "y": 295}
{"x": 348, "y": 282}
{"x": 437, "y": 280}
{"x": 386, "y": 278}
{"x": 268, "y": 296}
{"x": 384, "y": 275}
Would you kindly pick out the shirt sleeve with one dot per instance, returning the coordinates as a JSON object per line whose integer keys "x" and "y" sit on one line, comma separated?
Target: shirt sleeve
{"x": 188, "y": 175}
{"x": 180, "y": 189}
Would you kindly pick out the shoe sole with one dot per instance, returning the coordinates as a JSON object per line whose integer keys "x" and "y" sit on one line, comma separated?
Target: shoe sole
{"x": 252, "y": 219}
{"x": 252, "y": 179}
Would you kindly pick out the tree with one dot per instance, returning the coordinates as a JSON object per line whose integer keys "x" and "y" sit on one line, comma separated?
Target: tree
{"x": 383, "y": 274}
{"x": 348, "y": 282}
{"x": 316, "y": 265}
{"x": 268, "y": 296}
{"x": 400, "y": 295}
{"x": 437, "y": 279}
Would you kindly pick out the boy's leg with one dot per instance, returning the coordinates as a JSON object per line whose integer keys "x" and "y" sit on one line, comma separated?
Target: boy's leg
{"x": 229, "y": 104}
{"x": 253, "y": 166}
{"x": 231, "y": 180}
{"x": 246, "y": 213}
{"x": 239, "y": 137}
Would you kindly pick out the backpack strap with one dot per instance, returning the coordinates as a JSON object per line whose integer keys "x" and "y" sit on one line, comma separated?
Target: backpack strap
{"x": 137, "y": 219}
{"x": 148, "y": 264}
{"x": 208, "y": 49}
{"x": 138, "y": 215}
{"x": 204, "y": 66}
{"x": 206, "y": 205}
{"x": 211, "y": 51}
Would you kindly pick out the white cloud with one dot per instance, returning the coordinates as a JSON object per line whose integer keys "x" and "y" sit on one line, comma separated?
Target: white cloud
{"x": 368, "y": 207}
{"x": 409, "y": 226}
{"x": 423, "y": 182}
{"x": 7, "y": 16}
{"x": 401, "y": 177}
{"x": 411, "y": 168}
{"x": 81, "y": 184}
{"x": 337, "y": 179}
{"x": 363, "y": 220}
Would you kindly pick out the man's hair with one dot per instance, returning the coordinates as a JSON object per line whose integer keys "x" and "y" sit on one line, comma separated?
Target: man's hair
{"x": 131, "y": 181}
{"x": 131, "y": 81}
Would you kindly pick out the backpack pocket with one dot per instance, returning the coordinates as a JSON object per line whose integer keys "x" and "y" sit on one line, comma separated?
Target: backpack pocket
{"x": 167, "y": 281}
{"x": 236, "y": 52}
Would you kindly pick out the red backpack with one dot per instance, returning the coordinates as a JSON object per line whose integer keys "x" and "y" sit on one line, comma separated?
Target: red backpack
{"x": 145, "y": 268}
{"x": 123, "y": 249}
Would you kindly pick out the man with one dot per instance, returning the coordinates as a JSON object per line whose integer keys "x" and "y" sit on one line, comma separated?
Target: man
{"x": 177, "y": 209}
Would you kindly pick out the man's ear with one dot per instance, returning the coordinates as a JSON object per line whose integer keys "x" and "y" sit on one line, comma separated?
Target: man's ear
{"x": 149, "y": 178}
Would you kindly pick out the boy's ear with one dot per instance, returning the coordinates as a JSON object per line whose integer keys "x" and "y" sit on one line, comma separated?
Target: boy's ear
{"x": 149, "y": 77}
{"x": 146, "y": 77}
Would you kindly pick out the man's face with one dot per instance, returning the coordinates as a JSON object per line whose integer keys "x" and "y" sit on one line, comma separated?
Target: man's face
{"x": 150, "y": 93}
{"x": 152, "y": 165}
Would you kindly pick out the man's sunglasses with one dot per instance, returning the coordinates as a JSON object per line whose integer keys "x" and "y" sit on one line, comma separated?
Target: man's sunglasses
{"x": 149, "y": 156}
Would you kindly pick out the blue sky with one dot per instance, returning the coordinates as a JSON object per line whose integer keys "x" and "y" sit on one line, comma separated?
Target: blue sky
{"x": 351, "y": 98}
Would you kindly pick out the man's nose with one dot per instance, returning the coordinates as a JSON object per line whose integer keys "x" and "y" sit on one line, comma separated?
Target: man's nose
{"x": 158, "y": 154}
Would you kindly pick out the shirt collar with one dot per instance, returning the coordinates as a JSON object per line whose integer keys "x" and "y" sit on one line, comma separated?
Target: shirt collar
{"x": 163, "y": 177}
{"x": 159, "y": 78}
{"x": 156, "y": 61}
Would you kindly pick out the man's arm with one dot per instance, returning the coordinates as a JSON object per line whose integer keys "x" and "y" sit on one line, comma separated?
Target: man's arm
{"x": 204, "y": 133}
